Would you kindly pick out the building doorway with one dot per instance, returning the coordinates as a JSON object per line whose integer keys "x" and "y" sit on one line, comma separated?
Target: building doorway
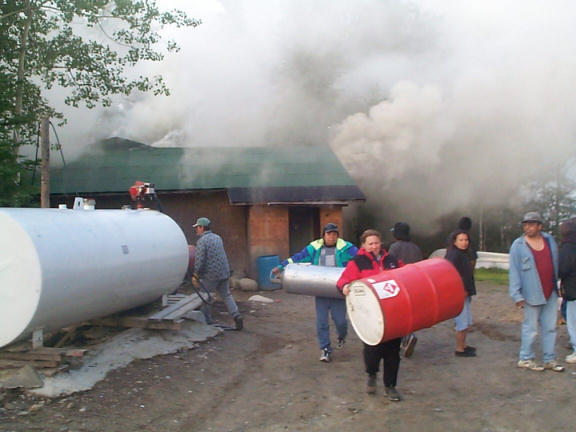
{"x": 304, "y": 227}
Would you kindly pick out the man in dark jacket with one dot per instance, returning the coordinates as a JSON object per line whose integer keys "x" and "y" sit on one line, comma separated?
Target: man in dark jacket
{"x": 567, "y": 274}
{"x": 407, "y": 252}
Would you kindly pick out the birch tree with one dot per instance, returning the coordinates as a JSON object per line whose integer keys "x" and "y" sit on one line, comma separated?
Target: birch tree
{"x": 87, "y": 47}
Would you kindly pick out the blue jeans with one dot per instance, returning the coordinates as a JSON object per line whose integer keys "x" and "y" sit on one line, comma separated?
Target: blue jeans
{"x": 465, "y": 318}
{"x": 337, "y": 308}
{"x": 571, "y": 321}
{"x": 223, "y": 288}
{"x": 545, "y": 315}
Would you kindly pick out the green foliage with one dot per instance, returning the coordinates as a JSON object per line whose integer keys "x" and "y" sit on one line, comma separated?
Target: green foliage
{"x": 14, "y": 169}
{"x": 15, "y": 191}
{"x": 494, "y": 275}
{"x": 553, "y": 197}
{"x": 84, "y": 46}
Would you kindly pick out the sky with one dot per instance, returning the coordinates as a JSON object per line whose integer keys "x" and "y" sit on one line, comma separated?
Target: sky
{"x": 433, "y": 106}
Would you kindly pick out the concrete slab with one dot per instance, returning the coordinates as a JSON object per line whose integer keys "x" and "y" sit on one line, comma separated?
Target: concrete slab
{"x": 120, "y": 351}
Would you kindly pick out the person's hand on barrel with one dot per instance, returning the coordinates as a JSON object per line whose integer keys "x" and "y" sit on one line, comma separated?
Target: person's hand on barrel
{"x": 276, "y": 271}
{"x": 346, "y": 289}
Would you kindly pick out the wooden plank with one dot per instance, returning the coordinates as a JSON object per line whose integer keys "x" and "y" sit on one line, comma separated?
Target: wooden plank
{"x": 184, "y": 309}
{"x": 69, "y": 333}
{"x": 31, "y": 355}
{"x": 75, "y": 352}
{"x": 38, "y": 364}
{"x": 19, "y": 347}
{"x": 139, "y": 322}
{"x": 50, "y": 372}
{"x": 40, "y": 350}
{"x": 168, "y": 299}
{"x": 41, "y": 353}
{"x": 170, "y": 309}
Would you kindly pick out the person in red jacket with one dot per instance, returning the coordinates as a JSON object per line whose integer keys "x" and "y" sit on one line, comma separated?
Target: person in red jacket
{"x": 372, "y": 259}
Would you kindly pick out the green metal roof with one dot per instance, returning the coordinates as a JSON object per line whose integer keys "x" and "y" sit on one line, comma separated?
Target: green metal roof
{"x": 115, "y": 164}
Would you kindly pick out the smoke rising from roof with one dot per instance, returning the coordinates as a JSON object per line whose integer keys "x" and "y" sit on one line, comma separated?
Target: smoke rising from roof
{"x": 432, "y": 105}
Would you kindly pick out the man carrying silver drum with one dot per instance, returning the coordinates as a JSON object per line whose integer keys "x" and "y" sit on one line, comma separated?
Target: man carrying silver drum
{"x": 331, "y": 251}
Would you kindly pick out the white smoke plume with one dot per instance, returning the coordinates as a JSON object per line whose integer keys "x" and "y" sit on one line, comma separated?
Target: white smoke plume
{"x": 494, "y": 110}
{"x": 432, "y": 105}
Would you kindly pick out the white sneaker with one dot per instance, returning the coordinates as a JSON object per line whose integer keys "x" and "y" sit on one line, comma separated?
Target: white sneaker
{"x": 571, "y": 358}
{"x": 325, "y": 355}
{"x": 553, "y": 366}
{"x": 530, "y": 364}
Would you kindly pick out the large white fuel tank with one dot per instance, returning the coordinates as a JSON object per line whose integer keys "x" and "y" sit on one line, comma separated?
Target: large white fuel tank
{"x": 60, "y": 267}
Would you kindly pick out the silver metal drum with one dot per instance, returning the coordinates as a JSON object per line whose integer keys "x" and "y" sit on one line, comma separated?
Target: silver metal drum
{"x": 312, "y": 280}
{"x": 59, "y": 266}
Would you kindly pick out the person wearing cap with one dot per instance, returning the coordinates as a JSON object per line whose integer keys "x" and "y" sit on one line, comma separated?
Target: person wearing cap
{"x": 211, "y": 268}
{"x": 533, "y": 287}
{"x": 331, "y": 251}
{"x": 407, "y": 252}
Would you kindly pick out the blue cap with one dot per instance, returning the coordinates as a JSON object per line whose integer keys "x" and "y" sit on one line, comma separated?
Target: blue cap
{"x": 330, "y": 227}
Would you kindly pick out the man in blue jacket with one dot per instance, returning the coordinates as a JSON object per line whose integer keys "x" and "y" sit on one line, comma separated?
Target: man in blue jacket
{"x": 533, "y": 287}
{"x": 331, "y": 251}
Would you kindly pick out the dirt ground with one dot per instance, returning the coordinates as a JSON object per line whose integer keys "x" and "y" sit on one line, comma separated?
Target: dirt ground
{"x": 268, "y": 378}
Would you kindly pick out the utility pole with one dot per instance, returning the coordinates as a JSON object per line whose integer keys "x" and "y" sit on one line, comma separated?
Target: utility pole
{"x": 45, "y": 166}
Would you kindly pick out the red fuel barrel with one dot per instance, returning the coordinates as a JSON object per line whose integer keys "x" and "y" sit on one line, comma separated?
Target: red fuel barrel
{"x": 397, "y": 302}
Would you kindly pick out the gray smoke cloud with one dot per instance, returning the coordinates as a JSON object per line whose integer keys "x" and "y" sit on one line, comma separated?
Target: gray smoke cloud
{"x": 433, "y": 106}
{"x": 494, "y": 111}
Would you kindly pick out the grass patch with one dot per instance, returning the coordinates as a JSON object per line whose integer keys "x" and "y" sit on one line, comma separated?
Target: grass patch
{"x": 495, "y": 275}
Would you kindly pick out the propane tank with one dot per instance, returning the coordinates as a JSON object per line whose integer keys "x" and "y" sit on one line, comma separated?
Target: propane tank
{"x": 63, "y": 266}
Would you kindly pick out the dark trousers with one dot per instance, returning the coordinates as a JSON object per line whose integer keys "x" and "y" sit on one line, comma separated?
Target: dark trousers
{"x": 389, "y": 352}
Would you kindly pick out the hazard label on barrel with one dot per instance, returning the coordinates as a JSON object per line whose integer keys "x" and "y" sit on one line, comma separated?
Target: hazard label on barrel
{"x": 386, "y": 289}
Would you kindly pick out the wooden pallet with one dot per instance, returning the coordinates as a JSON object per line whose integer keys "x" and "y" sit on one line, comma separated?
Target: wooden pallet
{"x": 169, "y": 318}
{"x": 40, "y": 358}
{"x": 54, "y": 359}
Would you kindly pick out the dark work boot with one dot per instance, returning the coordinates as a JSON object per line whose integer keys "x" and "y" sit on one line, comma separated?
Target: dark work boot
{"x": 371, "y": 384}
{"x": 239, "y": 322}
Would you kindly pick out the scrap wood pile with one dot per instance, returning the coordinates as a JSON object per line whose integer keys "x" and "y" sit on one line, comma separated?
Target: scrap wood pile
{"x": 54, "y": 359}
{"x": 49, "y": 360}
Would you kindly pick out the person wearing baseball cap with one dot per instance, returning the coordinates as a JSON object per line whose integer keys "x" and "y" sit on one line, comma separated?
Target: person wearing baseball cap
{"x": 202, "y": 222}
{"x": 212, "y": 270}
{"x": 330, "y": 251}
{"x": 533, "y": 287}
